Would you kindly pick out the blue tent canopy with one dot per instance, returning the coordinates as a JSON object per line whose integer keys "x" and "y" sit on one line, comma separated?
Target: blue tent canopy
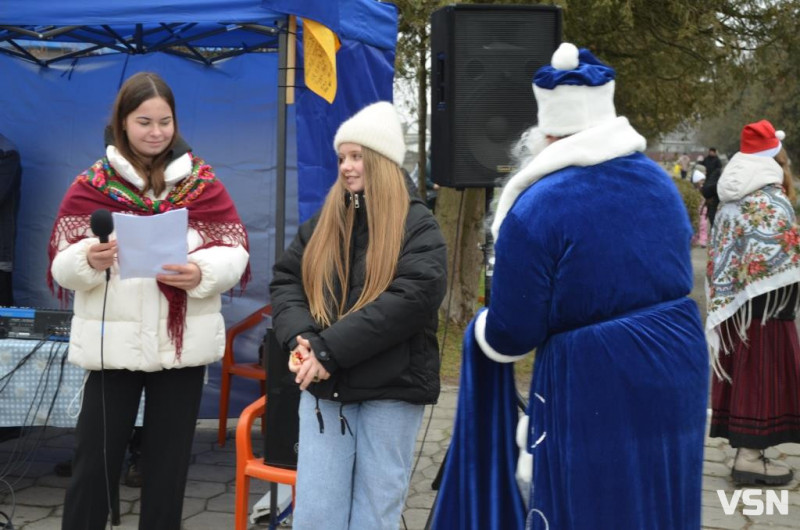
{"x": 154, "y": 25}
{"x": 55, "y": 103}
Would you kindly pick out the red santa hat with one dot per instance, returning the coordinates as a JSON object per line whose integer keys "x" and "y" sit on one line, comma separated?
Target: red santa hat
{"x": 761, "y": 139}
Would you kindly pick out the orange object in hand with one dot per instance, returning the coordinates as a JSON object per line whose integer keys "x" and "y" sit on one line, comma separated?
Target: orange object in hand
{"x": 297, "y": 357}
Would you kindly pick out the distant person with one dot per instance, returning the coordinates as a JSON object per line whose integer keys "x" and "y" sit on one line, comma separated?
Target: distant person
{"x": 700, "y": 237}
{"x": 10, "y": 182}
{"x": 618, "y": 398}
{"x": 676, "y": 169}
{"x": 684, "y": 161}
{"x": 355, "y": 299}
{"x": 712, "y": 161}
{"x": 155, "y": 335}
{"x": 713, "y": 170}
{"x": 752, "y": 292}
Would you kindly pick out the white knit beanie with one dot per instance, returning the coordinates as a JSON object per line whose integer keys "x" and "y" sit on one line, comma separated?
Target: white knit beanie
{"x": 574, "y": 92}
{"x": 376, "y": 126}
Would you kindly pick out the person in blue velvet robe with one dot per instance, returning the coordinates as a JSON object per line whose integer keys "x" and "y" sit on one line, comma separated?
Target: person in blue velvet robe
{"x": 593, "y": 271}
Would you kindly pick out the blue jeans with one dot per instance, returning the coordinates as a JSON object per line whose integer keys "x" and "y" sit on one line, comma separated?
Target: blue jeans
{"x": 357, "y": 481}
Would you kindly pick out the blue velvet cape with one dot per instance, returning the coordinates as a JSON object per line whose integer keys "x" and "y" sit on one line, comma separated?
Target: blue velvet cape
{"x": 478, "y": 489}
{"x": 593, "y": 269}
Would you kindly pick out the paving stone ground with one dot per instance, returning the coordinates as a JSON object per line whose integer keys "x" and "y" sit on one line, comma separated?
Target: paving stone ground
{"x": 39, "y": 494}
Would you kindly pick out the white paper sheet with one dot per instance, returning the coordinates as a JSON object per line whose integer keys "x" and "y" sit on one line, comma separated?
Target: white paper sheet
{"x": 147, "y": 242}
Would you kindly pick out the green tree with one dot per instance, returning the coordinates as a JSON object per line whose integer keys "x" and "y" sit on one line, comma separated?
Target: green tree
{"x": 677, "y": 61}
{"x": 765, "y": 86}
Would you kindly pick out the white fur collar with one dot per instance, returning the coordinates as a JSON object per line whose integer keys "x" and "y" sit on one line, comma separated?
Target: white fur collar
{"x": 747, "y": 173}
{"x": 176, "y": 171}
{"x": 609, "y": 140}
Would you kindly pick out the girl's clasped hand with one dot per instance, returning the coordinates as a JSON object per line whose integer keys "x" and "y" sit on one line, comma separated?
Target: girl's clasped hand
{"x": 303, "y": 363}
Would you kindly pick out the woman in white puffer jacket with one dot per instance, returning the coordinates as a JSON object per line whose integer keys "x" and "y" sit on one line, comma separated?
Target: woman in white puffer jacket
{"x": 146, "y": 334}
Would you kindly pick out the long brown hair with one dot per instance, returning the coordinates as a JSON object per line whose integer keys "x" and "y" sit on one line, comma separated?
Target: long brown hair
{"x": 327, "y": 255}
{"x": 136, "y": 90}
{"x": 782, "y": 158}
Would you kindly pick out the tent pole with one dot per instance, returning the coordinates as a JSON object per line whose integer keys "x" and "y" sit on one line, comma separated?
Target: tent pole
{"x": 280, "y": 181}
{"x": 280, "y": 215}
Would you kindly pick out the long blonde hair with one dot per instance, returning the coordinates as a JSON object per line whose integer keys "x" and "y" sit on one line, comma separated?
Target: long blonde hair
{"x": 327, "y": 255}
{"x": 782, "y": 158}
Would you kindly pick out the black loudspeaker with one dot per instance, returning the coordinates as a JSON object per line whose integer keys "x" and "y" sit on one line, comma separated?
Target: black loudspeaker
{"x": 283, "y": 400}
{"x": 483, "y": 58}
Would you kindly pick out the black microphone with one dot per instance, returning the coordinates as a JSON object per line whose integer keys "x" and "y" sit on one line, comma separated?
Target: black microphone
{"x": 102, "y": 224}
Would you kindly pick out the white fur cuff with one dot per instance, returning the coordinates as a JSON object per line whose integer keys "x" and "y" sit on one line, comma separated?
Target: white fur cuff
{"x": 491, "y": 353}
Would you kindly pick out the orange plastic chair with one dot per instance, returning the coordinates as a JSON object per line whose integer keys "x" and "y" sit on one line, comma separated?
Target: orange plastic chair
{"x": 248, "y": 466}
{"x": 230, "y": 367}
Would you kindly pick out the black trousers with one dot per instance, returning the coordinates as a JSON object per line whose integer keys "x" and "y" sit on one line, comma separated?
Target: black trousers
{"x": 172, "y": 403}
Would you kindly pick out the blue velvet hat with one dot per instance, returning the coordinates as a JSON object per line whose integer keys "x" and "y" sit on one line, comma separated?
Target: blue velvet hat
{"x": 573, "y": 93}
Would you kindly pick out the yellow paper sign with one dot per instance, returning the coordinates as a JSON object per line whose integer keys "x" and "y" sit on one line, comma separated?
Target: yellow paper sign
{"x": 320, "y": 45}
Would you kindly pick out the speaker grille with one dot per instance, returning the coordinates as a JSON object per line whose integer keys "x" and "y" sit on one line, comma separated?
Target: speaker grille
{"x": 489, "y": 54}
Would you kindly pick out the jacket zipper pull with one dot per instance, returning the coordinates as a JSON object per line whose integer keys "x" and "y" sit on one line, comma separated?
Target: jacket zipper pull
{"x": 319, "y": 417}
{"x": 356, "y": 203}
{"x": 343, "y": 421}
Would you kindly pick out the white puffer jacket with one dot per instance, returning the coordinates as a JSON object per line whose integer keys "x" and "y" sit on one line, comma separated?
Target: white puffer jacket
{"x": 136, "y": 311}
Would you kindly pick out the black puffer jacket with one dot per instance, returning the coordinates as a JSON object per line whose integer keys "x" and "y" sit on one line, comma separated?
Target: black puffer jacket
{"x": 387, "y": 349}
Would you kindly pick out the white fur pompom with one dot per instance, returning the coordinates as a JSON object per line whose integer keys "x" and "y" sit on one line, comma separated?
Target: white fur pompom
{"x": 565, "y": 57}
{"x": 780, "y": 135}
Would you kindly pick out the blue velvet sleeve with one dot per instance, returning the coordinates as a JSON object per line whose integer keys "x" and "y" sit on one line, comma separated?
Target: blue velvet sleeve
{"x": 521, "y": 292}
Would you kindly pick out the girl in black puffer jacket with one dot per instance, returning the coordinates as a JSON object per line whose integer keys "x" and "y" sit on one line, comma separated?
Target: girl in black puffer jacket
{"x": 355, "y": 300}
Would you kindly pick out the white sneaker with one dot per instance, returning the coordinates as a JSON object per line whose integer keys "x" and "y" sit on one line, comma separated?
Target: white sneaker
{"x": 752, "y": 467}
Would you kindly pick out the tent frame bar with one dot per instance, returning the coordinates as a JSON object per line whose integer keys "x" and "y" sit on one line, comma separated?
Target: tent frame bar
{"x": 22, "y": 53}
{"x": 38, "y": 35}
{"x": 172, "y": 43}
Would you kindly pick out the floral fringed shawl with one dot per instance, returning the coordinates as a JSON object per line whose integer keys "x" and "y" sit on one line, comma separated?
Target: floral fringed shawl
{"x": 211, "y": 213}
{"x": 755, "y": 250}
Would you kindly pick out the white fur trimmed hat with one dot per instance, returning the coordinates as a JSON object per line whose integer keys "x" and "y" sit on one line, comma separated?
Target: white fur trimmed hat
{"x": 376, "y": 126}
{"x": 573, "y": 93}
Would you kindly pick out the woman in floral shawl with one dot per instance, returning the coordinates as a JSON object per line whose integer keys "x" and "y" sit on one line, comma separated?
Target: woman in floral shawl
{"x": 143, "y": 334}
{"x": 752, "y": 291}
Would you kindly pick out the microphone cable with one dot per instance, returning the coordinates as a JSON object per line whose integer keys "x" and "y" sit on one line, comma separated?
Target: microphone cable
{"x": 103, "y": 401}
{"x": 19, "y": 460}
{"x": 17, "y": 457}
{"x": 7, "y": 377}
{"x": 101, "y": 224}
